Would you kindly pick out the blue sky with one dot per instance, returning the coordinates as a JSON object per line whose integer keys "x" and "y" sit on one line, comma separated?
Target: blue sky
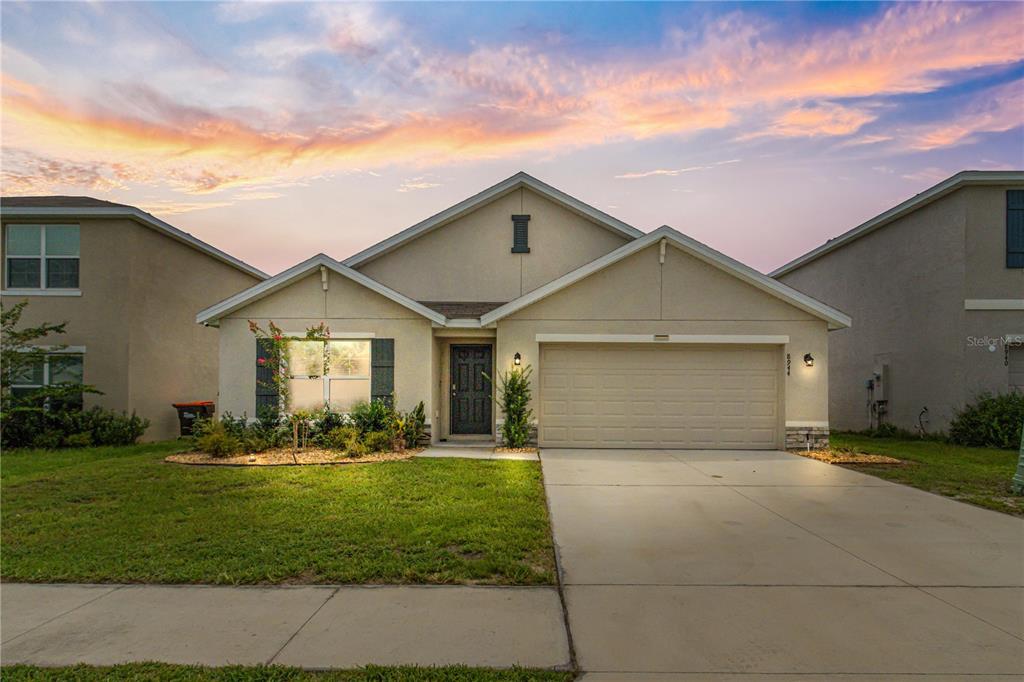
{"x": 278, "y": 130}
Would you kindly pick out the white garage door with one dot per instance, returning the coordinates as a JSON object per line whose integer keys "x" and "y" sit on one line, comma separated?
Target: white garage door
{"x": 651, "y": 396}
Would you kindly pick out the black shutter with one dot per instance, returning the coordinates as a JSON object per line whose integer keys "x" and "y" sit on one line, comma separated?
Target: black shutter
{"x": 1015, "y": 228}
{"x": 382, "y": 370}
{"x": 266, "y": 389}
{"x": 520, "y": 234}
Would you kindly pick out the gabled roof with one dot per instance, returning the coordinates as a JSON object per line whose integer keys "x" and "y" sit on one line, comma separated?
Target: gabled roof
{"x": 279, "y": 281}
{"x": 87, "y": 207}
{"x": 504, "y": 187}
{"x": 961, "y": 179}
{"x": 835, "y": 318}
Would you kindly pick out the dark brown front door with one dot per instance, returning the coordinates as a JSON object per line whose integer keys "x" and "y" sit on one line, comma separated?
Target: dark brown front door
{"x": 471, "y": 393}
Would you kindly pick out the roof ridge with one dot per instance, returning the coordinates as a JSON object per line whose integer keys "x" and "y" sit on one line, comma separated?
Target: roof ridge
{"x": 923, "y": 198}
{"x": 496, "y": 191}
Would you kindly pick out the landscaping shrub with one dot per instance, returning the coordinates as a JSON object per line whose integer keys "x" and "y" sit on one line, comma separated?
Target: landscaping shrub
{"x": 110, "y": 428}
{"x": 32, "y": 425}
{"x": 327, "y": 420}
{"x": 372, "y": 427}
{"x": 356, "y": 448}
{"x": 231, "y": 435}
{"x": 513, "y": 398}
{"x": 407, "y": 428}
{"x": 339, "y": 438}
{"x": 376, "y": 415}
{"x": 217, "y": 437}
{"x": 991, "y": 421}
{"x": 377, "y": 441}
{"x": 415, "y": 425}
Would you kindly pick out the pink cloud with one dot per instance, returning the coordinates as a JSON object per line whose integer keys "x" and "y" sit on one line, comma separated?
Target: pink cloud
{"x": 425, "y": 104}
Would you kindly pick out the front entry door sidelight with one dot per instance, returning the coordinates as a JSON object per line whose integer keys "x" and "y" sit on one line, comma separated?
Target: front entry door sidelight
{"x": 470, "y": 392}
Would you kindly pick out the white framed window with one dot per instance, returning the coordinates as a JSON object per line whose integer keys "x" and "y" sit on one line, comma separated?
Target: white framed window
{"x": 43, "y": 257}
{"x": 52, "y": 368}
{"x": 335, "y": 373}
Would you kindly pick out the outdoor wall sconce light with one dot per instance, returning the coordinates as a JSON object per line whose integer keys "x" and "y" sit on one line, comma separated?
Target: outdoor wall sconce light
{"x": 809, "y": 360}
{"x": 517, "y": 359}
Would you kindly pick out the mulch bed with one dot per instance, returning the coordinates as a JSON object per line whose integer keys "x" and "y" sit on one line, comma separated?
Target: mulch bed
{"x": 515, "y": 451}
{"x": 284, "y": 457}
{"x": 848, "y": 457}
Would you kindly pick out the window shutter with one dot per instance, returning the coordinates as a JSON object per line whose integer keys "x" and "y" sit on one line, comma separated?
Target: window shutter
{"x": 266, "y": 389}
{"x": 1015, "y": 228}
{"x": 520, "y": 234}
{"x": 382, "y": 370}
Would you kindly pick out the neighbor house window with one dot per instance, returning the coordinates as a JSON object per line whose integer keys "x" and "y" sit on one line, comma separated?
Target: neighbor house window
{"x": 52, "y": 369}
{"x": 334, "y": 373}
{"x": 1015, "y": 228}
{"x": 42, "y": 256}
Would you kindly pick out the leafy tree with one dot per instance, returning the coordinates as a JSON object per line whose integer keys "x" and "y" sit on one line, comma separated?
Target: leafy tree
{"x": 20, "y": 352}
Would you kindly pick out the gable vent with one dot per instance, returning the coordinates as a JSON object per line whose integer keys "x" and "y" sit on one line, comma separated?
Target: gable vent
{"x": 520, "y": 234}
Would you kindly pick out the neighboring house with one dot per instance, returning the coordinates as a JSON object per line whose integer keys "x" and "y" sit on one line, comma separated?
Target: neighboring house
{"x": 635, "y": 340}
{"x": 128, "y": 285}
{"x": 936, "y": 286}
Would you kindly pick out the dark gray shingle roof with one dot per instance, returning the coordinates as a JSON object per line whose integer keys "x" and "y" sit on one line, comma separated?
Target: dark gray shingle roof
{"x": 462, "y": 309}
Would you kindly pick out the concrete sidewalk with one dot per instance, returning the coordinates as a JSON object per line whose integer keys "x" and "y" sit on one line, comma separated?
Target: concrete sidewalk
{"x": 309, "y": 627}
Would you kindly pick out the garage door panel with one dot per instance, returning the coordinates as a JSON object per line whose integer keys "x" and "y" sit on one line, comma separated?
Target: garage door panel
{"x": 649, "y": 396}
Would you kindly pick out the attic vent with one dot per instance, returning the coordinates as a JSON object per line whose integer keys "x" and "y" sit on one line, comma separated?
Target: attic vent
{"x": 520, "y": 234}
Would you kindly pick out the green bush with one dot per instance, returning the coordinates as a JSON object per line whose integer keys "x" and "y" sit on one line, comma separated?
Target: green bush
{"x": 217, "y": 439}
{"x": 513, "y": 399}
{"x": 326, "y": 420}
{"x": 231, "y": 435}
{"x": 356, "y": 448}
{"x": 377, "y": 441}
{"x": 340, "y": 438}
{"x": 991, "y": 421}
{"x": 407, "y": 428}
{"x": 376, "y": 415}
{"x": 415, "y": 425}
{"x": 79, "y": 440}
{"x": 51, "y": 428}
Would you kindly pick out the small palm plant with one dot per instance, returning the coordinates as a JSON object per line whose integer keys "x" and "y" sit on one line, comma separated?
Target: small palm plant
{"x": 513, "y": 397}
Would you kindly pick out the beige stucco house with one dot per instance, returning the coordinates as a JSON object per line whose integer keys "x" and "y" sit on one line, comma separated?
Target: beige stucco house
{"x": 128, "y": 285}
{"x": 636, "y": 340}
{"x": 936, "y": 285}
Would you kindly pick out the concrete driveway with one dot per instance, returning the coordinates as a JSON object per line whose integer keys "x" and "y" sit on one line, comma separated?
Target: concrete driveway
{"x": 683, "y": 565}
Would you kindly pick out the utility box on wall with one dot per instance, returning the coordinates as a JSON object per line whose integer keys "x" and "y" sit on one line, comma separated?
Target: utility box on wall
{"x": 881, "y": 383}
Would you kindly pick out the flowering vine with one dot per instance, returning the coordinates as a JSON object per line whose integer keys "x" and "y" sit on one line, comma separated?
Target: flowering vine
{"x": 277, "y": 357}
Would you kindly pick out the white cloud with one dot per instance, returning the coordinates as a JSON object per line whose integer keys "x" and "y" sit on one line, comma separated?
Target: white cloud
{"x": 413, "y": 184}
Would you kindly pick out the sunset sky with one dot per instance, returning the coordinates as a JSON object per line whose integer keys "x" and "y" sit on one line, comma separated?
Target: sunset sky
{"x": 278, "y": 130}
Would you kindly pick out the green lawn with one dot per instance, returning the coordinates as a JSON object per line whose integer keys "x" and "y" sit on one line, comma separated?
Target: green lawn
{"x": 979, "y": 476}
{"x": 180, "y": 673}
{"x": 124, "y": 515}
